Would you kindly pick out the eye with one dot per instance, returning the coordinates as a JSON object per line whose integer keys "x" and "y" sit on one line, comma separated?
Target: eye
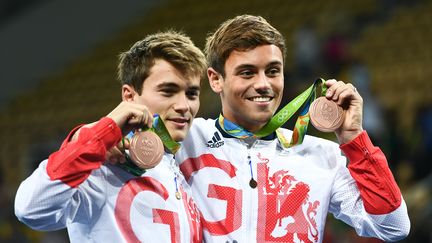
{"x": 192, "y": 94}
{"x": 167, "y": 92}
{"x": 273, "y": 72}
{"x": 247, "y": 73}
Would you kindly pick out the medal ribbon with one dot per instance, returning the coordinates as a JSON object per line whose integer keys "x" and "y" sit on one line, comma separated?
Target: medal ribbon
{"x": 159, "y": 128}
{"x": 281, "y": 118}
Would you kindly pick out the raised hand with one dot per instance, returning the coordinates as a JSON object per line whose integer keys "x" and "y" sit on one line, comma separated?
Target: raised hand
{"x": 346, "y": 95}
{"x": 128, "y": 116}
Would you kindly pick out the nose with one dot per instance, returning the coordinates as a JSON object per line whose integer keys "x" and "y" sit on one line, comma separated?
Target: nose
{"x": 181, "y": 103}
{"x": 262, "y": 83}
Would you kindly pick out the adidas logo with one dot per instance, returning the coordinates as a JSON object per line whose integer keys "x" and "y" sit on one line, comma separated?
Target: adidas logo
{"x": 215, "y": 142}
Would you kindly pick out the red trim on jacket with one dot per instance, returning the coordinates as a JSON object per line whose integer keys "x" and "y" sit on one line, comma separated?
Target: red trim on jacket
{"x": 75, "y": 160}
{"x": 368, "y": 166}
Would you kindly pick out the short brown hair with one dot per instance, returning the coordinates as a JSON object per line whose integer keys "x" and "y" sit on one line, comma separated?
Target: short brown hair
{"x": 174, "y": 47}
{"x": 242, "y": 33}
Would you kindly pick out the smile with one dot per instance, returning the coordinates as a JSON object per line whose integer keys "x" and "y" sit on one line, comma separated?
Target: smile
{"x": 260, "y": 99}
{"x": 179, "y": 120}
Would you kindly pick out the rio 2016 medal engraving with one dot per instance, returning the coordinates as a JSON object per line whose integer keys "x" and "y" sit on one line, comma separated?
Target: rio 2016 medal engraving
{"x": 146, "y": 149}
{"x": 326, "y": 115}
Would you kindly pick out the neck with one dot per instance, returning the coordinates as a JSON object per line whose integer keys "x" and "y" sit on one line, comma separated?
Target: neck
{"x": 231, "y": 129}
{"x": 250, "y": 127}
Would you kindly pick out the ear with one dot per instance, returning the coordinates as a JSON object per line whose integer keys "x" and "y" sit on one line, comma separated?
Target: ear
{"x": 128, "y": 93}
{"x": 215, "y": 80}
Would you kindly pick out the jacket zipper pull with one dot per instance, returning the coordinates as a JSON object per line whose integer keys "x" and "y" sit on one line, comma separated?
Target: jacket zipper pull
{"x": 252, "y": 183}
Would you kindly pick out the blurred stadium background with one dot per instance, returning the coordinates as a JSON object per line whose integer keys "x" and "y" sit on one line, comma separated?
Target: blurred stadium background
{"x": 58, "y": 69}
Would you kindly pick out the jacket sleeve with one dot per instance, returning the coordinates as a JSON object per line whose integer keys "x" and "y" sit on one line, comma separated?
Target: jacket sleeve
{"x": 366, "y": 196}
{"x": 54, "y": 194}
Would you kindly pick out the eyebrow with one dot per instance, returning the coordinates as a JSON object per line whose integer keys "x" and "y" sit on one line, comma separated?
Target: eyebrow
{"x": 173, "y": 85}
{"x": 249, "y": 66}
{"x": 274, "y": 63}
{"x": 194, "y": 88}
{"x": 244, "y": 66}
{"x": 167, "y": 85}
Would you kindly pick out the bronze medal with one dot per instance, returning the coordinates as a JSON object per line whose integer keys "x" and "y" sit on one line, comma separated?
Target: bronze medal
{"x": 326, "y": 115}
{"x": 146, "y": 149}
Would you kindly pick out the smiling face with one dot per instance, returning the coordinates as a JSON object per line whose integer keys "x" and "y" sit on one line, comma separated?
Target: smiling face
{"x": 167, "y": 92}
{"x": 251, "y": 90}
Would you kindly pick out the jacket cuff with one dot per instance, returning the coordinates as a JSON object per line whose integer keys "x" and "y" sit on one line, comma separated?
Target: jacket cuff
{"x": 356, "y": 149}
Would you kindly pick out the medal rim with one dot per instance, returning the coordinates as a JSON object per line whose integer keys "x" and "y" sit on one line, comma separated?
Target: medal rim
{"x": 317, "y": 119}
{"x": 157, "y": 151}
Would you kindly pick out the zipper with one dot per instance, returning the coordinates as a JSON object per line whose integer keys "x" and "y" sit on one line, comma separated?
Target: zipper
{"x": 174, "y": 169}
{"x": 252, "y": 192}
{"x": 366, "y": 154}
{"x": 252, "y": 182}
{"x": 370, "y": 158}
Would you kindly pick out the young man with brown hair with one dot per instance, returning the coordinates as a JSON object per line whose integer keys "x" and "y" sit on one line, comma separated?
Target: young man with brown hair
{"x": 253, "y": 188}
{"x": 103, "y": 202}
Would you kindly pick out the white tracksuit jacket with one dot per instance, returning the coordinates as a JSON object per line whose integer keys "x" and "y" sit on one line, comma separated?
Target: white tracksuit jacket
{"x": 296, "y": 189}
{"x": 103, "y": 203}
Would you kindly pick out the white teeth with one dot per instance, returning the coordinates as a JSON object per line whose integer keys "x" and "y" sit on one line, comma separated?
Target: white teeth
{"x": 260, "y": 99}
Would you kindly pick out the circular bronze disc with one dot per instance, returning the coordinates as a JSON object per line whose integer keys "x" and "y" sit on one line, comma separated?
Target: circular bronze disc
{"x": 326, "y": 115}
{"x": 146, "y": 149}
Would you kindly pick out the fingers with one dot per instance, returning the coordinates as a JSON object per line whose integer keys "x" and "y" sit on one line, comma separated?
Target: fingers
{"x": 340, "y": 92}
{"x": 114, "y": 155}
{"x": 147, "y": 119}
{"x": 117, "y": 153}
{"x": 140, "y": 118}
{"x": 130, "y": 115}
{"x": 125, "y": 143}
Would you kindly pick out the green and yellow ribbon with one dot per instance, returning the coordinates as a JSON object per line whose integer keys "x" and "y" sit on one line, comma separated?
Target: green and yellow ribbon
{"x": 280, "y": 118}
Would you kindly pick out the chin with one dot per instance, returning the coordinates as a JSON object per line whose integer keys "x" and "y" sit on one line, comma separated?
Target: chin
{"x": 178, "y": 136}
{"x": 263, "y": 118}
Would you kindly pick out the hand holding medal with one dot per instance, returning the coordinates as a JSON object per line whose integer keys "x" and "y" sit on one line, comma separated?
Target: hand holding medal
{"x": 146, "y": 139}
{"x": 147, "y": 145}
{"x": 325, "y": 114}
{"x": 345, "y": 95}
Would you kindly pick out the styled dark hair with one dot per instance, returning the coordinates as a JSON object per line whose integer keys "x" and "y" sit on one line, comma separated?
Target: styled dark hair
{"x": 174, "y": 47}
{"x": 242, "y": 33}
